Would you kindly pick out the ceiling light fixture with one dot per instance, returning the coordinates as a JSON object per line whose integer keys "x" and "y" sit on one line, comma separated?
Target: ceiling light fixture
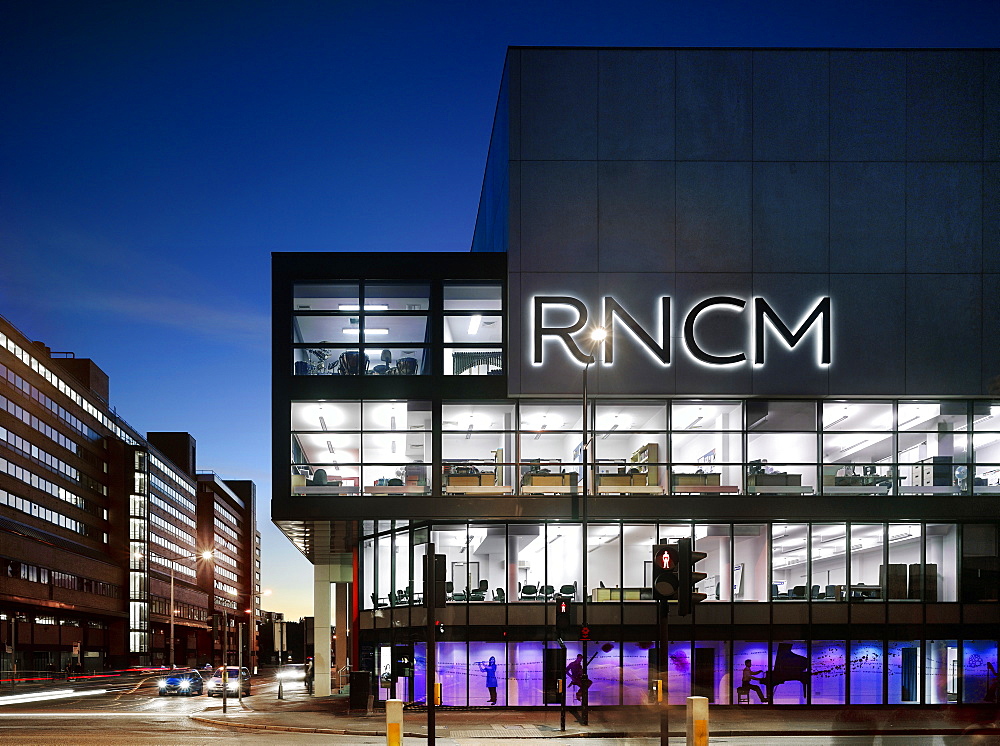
{"x": 368, "y": 307}
{"x": 322, "y": 423}
{"x": 375, "y": 332}
{"x": 474, "y": 322}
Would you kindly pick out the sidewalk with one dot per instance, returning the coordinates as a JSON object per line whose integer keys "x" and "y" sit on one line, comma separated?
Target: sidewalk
{"x": 329, "y": 715}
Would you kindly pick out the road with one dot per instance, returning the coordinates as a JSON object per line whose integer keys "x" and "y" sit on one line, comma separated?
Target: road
{"x": 133, "y": 715}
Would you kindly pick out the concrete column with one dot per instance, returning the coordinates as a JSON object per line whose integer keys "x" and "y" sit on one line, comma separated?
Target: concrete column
{"x": 342, "y": 593}
{"x": 321, "y": 629}
{"x": 512, "y": 574}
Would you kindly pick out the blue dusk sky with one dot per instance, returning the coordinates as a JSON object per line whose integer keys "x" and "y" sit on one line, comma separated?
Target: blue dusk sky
{"x": 154, "y": 154}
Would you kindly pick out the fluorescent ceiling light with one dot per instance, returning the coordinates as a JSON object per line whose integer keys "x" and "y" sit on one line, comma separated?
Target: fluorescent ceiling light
{"x": 368, "y": 307}
{"x": 474, "y": 322}
{"x": 371, "y": 331}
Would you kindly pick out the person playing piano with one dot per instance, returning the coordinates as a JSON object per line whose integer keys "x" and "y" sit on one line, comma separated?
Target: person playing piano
{"x": 749, "y": 676}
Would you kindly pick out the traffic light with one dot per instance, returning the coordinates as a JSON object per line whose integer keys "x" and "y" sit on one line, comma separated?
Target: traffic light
{"x": 434, "y": 589}
{"x": 562, "y": 615}
{"x": 439, "y": 629}
{"x": 665, "y": 580}
{"x": 689, "y": 579}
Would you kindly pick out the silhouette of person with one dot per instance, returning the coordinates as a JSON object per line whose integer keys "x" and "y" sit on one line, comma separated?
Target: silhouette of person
{"x": 577, "y": 677}
{"x": 749, "y": 675}
{"x": 490, "y": 669}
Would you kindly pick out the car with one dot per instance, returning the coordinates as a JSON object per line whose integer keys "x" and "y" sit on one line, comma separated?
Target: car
{"x": 238, "y": 678}
{"x": 184, "y": 681}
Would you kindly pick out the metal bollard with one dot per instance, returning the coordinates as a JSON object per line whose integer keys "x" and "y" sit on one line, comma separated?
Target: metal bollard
{"x": 697, "y": 721}
{"x": 394, "y": 722}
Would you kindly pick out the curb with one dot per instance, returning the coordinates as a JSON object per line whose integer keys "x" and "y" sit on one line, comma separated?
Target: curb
{"x": 407, "y": 734}
{"x": 722, "y": 732}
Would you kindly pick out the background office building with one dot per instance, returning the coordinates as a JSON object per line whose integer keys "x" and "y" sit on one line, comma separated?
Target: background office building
{"x": 796, "y": 257}
{"x": 101, "y": 527}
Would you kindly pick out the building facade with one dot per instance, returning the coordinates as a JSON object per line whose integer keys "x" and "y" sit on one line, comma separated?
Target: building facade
{"x": 795, "y": 256}
{"x": 100, "y": 528}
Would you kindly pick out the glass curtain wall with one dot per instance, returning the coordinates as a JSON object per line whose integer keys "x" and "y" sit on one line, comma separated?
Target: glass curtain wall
{"x": 756, "y": 447}
{"x": 351, "y": 448}
{"x": 819, "y": 562}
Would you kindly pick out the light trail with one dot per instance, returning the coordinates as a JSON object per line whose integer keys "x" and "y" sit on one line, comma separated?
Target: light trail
{"x": 17, "y": 699}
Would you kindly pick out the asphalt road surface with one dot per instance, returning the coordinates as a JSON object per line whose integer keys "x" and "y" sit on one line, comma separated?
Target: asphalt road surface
{"x": 133, "y": 715}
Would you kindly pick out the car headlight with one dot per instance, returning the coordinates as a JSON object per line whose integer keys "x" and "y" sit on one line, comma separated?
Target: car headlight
{"x": 162, "y": 683}
{"x": 233, "y": 684}
{"x": 185, "y": 684}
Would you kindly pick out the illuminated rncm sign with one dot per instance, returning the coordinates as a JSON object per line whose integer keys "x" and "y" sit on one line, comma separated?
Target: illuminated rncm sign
{"x": 762, "y": 324}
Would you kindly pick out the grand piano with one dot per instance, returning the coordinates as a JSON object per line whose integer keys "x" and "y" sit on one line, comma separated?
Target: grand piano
{"x": 788, "y": 666}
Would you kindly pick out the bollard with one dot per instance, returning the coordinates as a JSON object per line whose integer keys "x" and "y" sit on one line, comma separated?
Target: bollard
{"x": 394, "y": 722}
{"x": 697, "y": 721}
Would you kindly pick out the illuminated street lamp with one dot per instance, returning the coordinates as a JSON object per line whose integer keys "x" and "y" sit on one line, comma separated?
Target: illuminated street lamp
{"x": 239, "y": 638}
{"x": 207, "y": 555}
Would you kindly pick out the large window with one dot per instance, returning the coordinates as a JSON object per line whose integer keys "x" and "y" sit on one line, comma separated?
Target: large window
{"x": 473, "y": 329}
{"x": 361, "y": 329}
{"x": 348, "y": 448}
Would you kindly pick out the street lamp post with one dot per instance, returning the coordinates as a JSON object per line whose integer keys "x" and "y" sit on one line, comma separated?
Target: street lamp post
{"x": 206, "y": 555}
{"x": 597, "y": 335}
{"x": 239, "y": 637}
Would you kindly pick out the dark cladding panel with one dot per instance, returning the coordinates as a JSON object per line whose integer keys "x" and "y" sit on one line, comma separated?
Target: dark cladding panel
{"x": 991, "y": 333}
{"x": 713, "y": 105}
{"x": 791, "y": 228}
{"x": 944, "y": 217}
{"x": 713, "y": 217}
{"x": 991, "y": 217}
{"x": 867, "y": 217}
{"x": 636, "y": 105}
{"x": 943, "y": 333}
{"x": 791, "y": 370}
{"x": 513, "y": 111}
{"x": 514, "y": 219}
{"x": 560, "y": 372}
{"x": 944, "y": 112}
{"x": 635, "y": 369}
{"x": 561, "y": 122}
{"x": 559, "y": 216}
{"x": 791, "y": 100}
{"x": 867, "y": 105}
{"x": 721, "y": 331}
{"x": 868, "y": 334}
{"x": 636, "y": 219}
{"x": 991, "y": 108}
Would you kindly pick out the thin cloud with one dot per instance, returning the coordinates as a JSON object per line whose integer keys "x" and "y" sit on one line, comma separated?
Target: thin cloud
{"x": 248, "y": 328}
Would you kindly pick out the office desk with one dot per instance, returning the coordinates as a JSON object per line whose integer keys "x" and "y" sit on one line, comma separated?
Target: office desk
{"x": 495, "y": 489}
{"x": 642, "y": 489}
{"x": 618, "y": 594}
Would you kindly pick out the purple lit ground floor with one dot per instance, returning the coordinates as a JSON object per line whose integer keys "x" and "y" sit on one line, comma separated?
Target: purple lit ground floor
{"x": 888, "y": 671}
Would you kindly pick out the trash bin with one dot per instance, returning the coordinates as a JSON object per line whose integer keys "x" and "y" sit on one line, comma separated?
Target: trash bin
{"x": 361, "y": 689}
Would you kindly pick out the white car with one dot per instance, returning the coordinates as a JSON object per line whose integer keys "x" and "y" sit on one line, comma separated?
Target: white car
{"x": 237, "y": 678}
